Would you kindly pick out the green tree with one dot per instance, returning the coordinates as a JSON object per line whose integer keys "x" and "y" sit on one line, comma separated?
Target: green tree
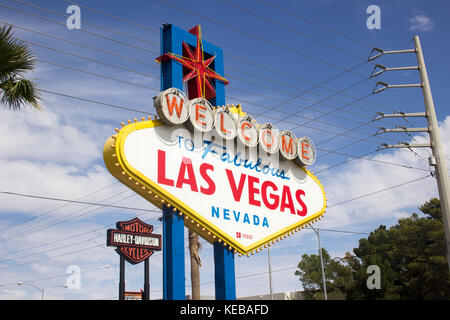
{"x": 15, "y": 60}
{"x": 411, "y": 256}
{"x": 337, "y": 277}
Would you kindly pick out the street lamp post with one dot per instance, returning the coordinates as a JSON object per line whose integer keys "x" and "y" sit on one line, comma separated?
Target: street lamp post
{"x": 20, "y": 283}
{"x": 270, "y": 273}
{"x": 321, "y": 264}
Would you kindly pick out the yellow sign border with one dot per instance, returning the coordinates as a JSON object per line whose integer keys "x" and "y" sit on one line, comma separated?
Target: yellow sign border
{"x": 118, "y": 166}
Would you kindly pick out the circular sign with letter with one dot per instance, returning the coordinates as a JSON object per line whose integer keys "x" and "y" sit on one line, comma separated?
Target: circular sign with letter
{"x": 288, "y": 145}
{"x": 225, "y": 123}
{"x": 306, "y": 152}
{"x": 269, "y": 138}
{"x": 201, "y": 114}
{"x": 247, "y": 131}
{"x": 172, "y": 106}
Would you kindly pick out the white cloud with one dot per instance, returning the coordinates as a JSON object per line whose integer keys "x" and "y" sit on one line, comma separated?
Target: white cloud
{"x": 420, "y": 22}
{"x": 42, "y": 136}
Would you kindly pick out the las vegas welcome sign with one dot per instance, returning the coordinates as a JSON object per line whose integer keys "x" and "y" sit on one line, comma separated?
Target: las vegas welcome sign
{"x": 233, "y": 180}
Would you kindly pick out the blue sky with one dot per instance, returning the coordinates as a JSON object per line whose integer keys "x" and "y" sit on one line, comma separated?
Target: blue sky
{"x": 272, "y": 56}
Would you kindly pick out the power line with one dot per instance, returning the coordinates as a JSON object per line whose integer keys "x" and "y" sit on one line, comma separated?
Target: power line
{"x": 322, "y": 130}
{"x": 317, "y": 24}
{"x": 60, "y": 255}
{"x": 310, "y": 119}
{"x": 58, "y": 276}
{"x": 146, "y": 210}
{"x": 129, "y": 70}
{"x": 88, "y": 23}
{"x": 110, "y": 78}
{"x": 346, "y": 161}
{"x": 276, "y": 44}
{"x": 98, "y": 75}
{"x": 291, "y": 94}
{"x": 81, "y": 30}
{"x": 374, "y": 160}
{"x": 147, "y": 87}
{"x": 131, "y": 83}
{"x": 133, "y": 71}
{"x": 140, "y": 111}
{"x": 301, "y": 80}
{"x": 326, "y": 98}
{"x": 303, "y": 124}
{"x": 363, "y": 156}
{"x": 260, "y": 114}
{"x": 379, "y": 191}
{"x": 25, "y": 195}
{"x": 113, "y": 17}
{"x": 294, "y": 30}
{"x": 48, "y": 258}
{"x": 115, "y": 66}
{"x": 21, "y": 223}
{"x": 52, "y": 249}
{"x": 329, "y": 152}
{"x": 96, "y": 102}
{"x": 61, "y": 247}
{"x": 79, "y": 44}
{"x": 348, "y": 130}
{"x": 77, "y": 235}
{"x": 155, "y": 31}
{"x": 62, "y": 219}
{"x": 303, "y": 107}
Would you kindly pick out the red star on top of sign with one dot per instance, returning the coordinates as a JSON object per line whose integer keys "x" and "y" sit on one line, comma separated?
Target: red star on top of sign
{"x": 196, "y": 70}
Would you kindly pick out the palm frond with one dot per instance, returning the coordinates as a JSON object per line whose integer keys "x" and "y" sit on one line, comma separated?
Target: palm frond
{"x": 15, "y": 57}
{"x": 18, "y": 92}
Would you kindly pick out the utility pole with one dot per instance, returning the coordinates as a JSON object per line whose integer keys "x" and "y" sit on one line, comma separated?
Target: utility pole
{"x": 270, "y": 273}
{"x": 438, "y": 156}
{"x": 324, "y": 283}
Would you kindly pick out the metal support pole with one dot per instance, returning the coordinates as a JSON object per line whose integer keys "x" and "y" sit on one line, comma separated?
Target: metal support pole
{"x": 406, "y": 130}
{"x": 147, "y": 279}
{"x": 321, "y": 264}
{"x": 436, "y": 146}
{"x": 173, "y": 256}
{"x": 399, "y": 51}
{"x": 405, "y": 145}
{"x": 270, "y": 273}
{"x": 122, "y": 278}
{"x": 224, "y": 273}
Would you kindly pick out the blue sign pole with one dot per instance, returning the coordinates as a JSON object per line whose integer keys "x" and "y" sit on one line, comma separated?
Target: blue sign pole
{"x": 172, "y": 38}
{"x": 174, "y": 287}
{"x": 173, "y": 256}
{"x": 224, "y": 273}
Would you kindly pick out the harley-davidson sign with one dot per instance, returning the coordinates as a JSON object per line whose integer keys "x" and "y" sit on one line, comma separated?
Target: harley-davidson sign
{"x": 134, "y": 240}
{"x": 233, "y": 180}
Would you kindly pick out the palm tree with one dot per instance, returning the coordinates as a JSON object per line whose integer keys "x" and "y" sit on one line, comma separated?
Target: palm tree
{"x": 15, "y": 60}
{"x": 196, "y": 263}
